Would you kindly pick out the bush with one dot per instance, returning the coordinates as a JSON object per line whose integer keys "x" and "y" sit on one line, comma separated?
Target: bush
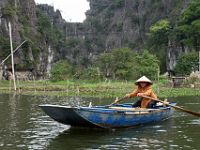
{"x": 62, "y": 70}
{"x": 92, "y": 74}
{"x": 186, "y": 64}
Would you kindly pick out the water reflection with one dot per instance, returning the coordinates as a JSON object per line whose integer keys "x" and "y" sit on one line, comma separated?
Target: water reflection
{"x": 25, "y": 126}
{"x": 137, "y": 138}
{"x": 44, "y": 129}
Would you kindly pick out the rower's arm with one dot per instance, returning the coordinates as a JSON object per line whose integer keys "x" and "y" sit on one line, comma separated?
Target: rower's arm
{"x": 133, "y": 94}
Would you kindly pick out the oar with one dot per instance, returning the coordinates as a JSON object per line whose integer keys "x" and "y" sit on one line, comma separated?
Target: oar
{"x": 176, "y": 107}
{"x": 117, "y": 101}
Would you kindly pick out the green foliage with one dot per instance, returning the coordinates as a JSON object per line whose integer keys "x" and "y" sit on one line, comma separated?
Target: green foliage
{"x": 9, "y": 10}
{"x": 117, "y": 4}
{"x": 4, "y": 47}
{"x": 95, "y": 23}
{"x": 188, "y": 29}
{"x": 186, "y": 32}
{"x": 123, "y": 64}
{"x": 44, "y": 23}
{"x": 159, "y": 32}
{"x": 147, "y": 64}
{"x": 118, "y": 27}
{"x": 104, "y": 63}
{"x": 158, "y": 40}
{"x": 51, "y": 33}
{"x": 91, "y": 73}
{"x": 62, "y": 70}
{"x": 117, "y": 64}
{"x": 186, "y": 64}
{"x": 72, "y": 43}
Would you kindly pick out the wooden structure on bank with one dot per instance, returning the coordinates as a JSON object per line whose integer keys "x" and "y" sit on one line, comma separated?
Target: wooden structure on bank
{"x": 178, "y": 81}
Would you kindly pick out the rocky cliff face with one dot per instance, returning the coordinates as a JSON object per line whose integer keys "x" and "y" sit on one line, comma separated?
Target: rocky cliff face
{"x": 109, "y": 24}
{"x": 10, "y": 11}
{"x": 22, "y": 16}
{"x": 130, "y": 20}
{"x": 127, "y": 22}
{"x": 36, "y": 53}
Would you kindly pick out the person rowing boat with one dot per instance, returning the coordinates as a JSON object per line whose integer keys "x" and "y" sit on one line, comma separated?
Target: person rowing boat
{"x": 143, "y": 89}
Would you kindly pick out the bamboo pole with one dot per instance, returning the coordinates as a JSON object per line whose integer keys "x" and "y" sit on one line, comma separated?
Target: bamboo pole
{"x": 12, "y": 59}
{"x": 13, "y": 52}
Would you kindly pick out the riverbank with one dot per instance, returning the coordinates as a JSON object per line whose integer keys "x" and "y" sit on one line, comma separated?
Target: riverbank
{"x": 87, "y": 89}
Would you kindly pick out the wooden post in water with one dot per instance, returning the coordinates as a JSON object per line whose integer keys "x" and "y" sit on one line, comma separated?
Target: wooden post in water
{"x": 12, "y": 59}
{"x": 34, "y": 84}
{"x": 78, "y": 90}
{"x": 158, "y": 80}
{"x": 199, "y": 61}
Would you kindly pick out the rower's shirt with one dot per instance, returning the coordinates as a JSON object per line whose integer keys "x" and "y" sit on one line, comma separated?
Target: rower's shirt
{"x": 147, "y": 91}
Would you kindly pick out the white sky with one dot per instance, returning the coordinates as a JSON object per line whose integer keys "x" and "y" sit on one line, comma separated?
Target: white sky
{"x": 71, "y": 10}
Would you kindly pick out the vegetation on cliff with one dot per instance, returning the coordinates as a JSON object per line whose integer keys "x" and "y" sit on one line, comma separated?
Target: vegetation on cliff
{"x": 185, "y": 32}
{"x": 120, "y": 64}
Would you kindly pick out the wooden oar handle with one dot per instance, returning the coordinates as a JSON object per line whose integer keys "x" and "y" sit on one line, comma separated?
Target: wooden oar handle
{"x": 155, "y": 99}
{"x": 118, "y": 101}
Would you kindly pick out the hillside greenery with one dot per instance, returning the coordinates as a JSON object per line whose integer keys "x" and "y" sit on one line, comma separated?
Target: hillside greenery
{"x": 186, "y": 64}
{"x": 120, "y": 64}
{"x": 185, "y": 32}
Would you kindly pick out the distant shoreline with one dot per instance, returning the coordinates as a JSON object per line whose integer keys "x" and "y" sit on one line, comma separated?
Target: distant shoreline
{"x": 86, "y": 89}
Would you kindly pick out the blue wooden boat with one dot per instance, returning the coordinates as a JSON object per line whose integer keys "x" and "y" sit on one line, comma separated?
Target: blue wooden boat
{"x": 117, "y": 116}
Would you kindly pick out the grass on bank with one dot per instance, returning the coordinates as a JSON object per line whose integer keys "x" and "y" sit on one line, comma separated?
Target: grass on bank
{"x": 90, "y": 89}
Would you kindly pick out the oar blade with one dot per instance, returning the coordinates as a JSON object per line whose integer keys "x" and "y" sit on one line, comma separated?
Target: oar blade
{"x": 176, "y": 107}
{"x": 187, "y": 111}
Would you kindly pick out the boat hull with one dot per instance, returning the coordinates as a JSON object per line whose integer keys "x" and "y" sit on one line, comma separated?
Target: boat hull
{"x": 122, "y": 116}
{"x": 65, "y": 115}
{"x": 124, "y": 119}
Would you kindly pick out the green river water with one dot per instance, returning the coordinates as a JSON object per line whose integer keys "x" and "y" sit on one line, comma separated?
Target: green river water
{"x": 25, "y": 126}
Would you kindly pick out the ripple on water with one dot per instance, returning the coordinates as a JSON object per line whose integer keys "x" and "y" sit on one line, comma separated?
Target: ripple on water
{"x": 161, "y": 130}
{"x": 195, "y": 122}
{"x": 44, "y": 130}
{"x": 156, "y": 126}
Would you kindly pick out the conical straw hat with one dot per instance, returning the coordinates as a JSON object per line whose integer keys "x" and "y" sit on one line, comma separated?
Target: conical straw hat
{"x": 143, "y": 79}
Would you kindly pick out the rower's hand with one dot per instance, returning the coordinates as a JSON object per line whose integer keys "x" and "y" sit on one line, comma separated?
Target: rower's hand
{"x": 140, "y": 94}
{"x": 127, "y": 95}
{"x": 116, "y": 100}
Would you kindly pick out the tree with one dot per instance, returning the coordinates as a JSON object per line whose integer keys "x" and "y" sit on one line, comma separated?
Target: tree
{"x": 123, "y": 63}
{"x": 159, "y": 36}
{"x": 104, "y": 63}
{"x": 159, "y": 32}
{"x": 186, "y": 63}
{"x": 188, "y": 29}
{"x": 117, "y": 64}
{"x": 147, "y": 64}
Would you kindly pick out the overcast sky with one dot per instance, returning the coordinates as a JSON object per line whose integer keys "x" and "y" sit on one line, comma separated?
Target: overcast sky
{"x": 71, "y": 10}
